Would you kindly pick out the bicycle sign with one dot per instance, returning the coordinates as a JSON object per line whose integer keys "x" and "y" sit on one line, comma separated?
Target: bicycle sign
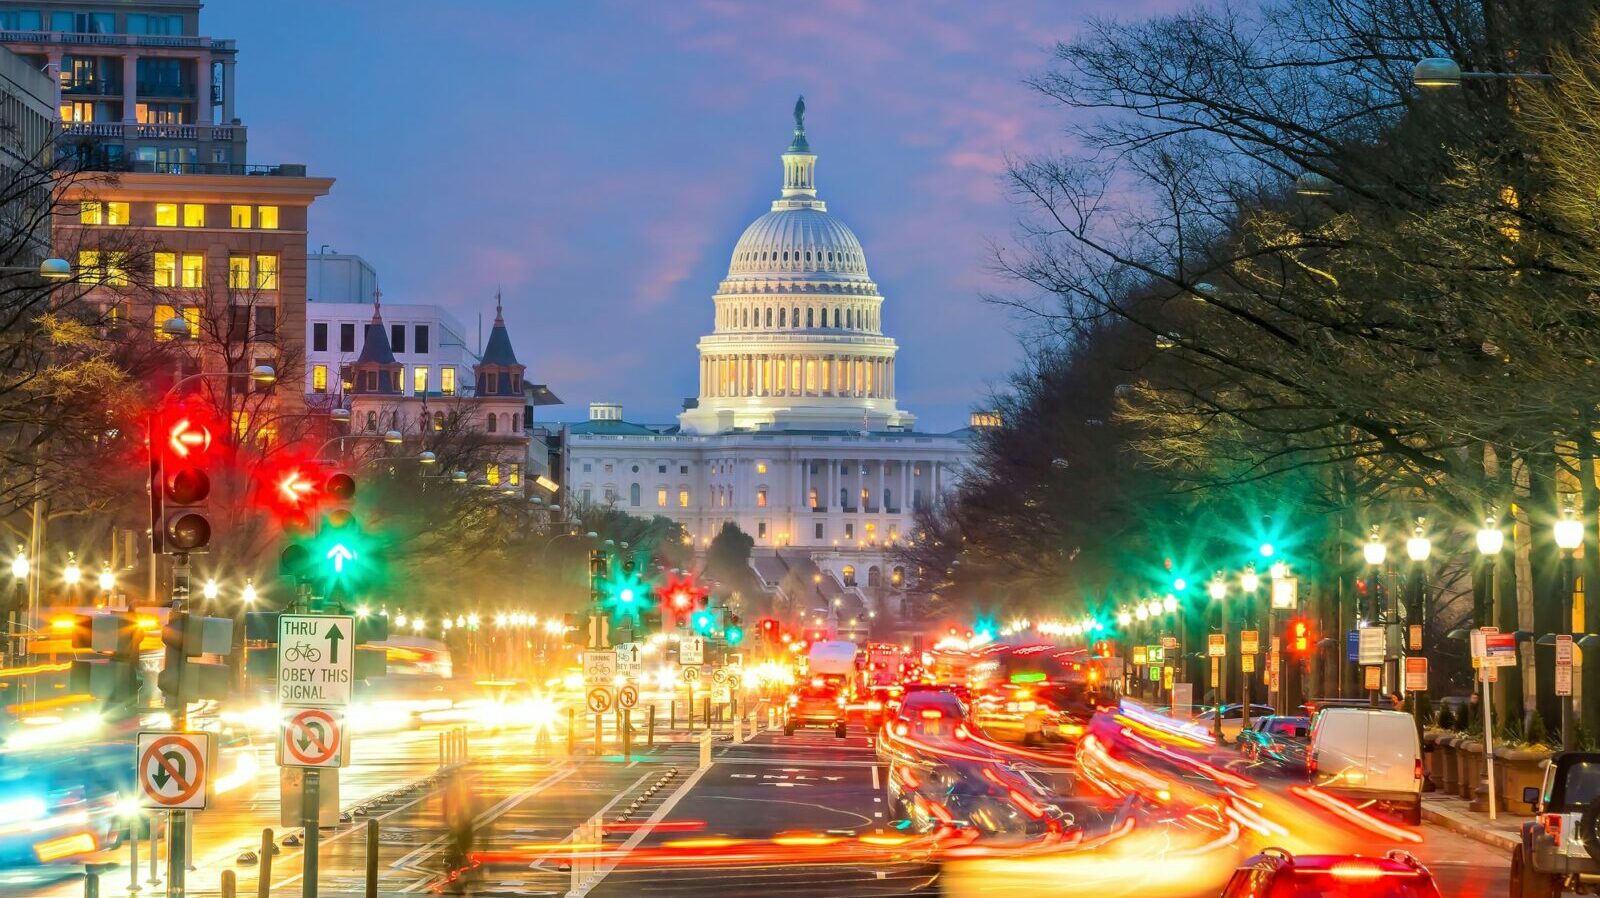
{"x": 316, "y": 660}
{"x": 600, "y": 668}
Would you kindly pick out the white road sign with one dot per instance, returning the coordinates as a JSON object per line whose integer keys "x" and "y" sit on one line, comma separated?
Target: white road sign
{"x": 172, "y": 770}
{"x": 600, "y": 668}
{"x": 692, "y": 650}
{"x": 630, "y": 659}
{"x": 1563, "y": 664}
{"x": 316, "y": 659}
{"x": 1370, "y": 646}
{"x": 312, "y": 737}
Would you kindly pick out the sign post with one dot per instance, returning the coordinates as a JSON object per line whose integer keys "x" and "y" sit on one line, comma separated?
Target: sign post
{"x": 1480, "y": 641}
{"x": 173, "y": 771}
{"x": 316, "y": 669}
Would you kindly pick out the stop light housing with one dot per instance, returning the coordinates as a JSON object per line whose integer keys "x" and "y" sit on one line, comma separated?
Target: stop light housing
{"x": 1299, "y": 635}
{"x": 769, "y": 630}
{"x": 342, "y": 557}
{"x": 181, "y": 465}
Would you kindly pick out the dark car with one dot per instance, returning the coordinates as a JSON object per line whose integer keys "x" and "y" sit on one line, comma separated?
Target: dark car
{"x": 1559, "y": 848}
{"x": 1279, "y": 742}
{"x": 1275, "y": 873}
{"x": 996, "y": 799}
{"x": 812, "y": 705}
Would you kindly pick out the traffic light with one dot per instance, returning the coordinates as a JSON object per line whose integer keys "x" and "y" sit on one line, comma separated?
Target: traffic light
{"x": 598, "y": 565}
{"x": 290, "y": 490}
{"x": 702, "y": 622}
{"x": 186, "y": 636}
{"x": 569, "y": 631}
{"x": 733, "y": 634}
{"x": 769, "y": 630}
{"x": 1299, "y": 635}
{"x": 622, "y": 592}
{"x": 678, "y": 597}
{"x": 341, "y": 557}
{"x": 181, "y": 454}
{"x": 113, "y": 675}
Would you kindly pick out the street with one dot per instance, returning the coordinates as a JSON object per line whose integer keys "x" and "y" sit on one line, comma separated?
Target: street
{"x": 775, "y": 815}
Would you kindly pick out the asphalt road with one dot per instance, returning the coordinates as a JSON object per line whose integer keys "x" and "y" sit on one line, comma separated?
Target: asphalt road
{"x": 774, "y": 816}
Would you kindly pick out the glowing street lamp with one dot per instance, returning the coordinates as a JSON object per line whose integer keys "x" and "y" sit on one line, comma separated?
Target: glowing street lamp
{"x": 19, "y": 564}
{"x": 211, "y": 590}
{"x": 1249, "y": 581}
{"x": 1491, "y": 539}
{"x": 1419, "y": 547}
{"x": 107, "y": 580}
{"x": 1169, "y": 604}
{"x": 249, "y": 594}
{"x": 73, "y": 574}
{"x": 1124, "y": 618}
{"x": 1218, "y": 588}
{"x": 1375, "y": 552}
{"x": 1568, "y": 531}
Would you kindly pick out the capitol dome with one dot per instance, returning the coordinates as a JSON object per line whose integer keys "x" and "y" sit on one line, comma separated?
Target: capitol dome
{"x": 798, "y": 341}
{"x": 804, "y": 242}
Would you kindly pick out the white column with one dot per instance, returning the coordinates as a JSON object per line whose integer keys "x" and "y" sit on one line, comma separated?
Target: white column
{"x": 202, "y": 93}
{"x": 227, "y": 91}
{"x": 130, "y": 86}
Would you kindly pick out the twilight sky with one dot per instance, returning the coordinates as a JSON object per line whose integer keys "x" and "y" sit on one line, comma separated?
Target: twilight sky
{"x": 598, "y": 161}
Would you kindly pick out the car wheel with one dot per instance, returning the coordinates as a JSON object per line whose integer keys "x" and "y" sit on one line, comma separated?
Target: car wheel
{"x": 1529, "y": 883}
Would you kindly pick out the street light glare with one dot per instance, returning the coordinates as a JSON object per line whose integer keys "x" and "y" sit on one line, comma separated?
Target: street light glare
{"x": 1568, "y": 531}
{"x": 72, "y": 574}
{"x": 1491, "y": 539}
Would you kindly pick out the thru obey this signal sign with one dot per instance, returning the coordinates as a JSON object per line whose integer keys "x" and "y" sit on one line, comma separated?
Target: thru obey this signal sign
{"x": 173, "y": 769}
{"x": 312, "y": 737}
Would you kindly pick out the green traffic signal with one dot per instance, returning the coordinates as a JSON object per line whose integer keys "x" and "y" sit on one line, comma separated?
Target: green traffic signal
{"x": 701, "y": 622}
{"x": 735, "y": 635}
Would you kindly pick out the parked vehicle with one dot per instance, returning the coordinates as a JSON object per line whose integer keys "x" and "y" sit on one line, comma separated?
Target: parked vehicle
{"x": 1369, "y": 756}
{"x": 1232, "y": 719}
{"x": 1277, "y": 742}
{"x": 1560, "y": 850}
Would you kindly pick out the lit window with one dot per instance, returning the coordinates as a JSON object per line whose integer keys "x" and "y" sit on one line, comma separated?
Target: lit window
{"x": 683, "y": 498}
{"x": 116, "y": 274}
{"x": 268, "y": 216}
{"x": 89, "y": 264}
{"x": 166, "y": 215}
{"x": 239, "y": 272}
{"x": 813, "y": 498}
{"x": 116, "y": 213}
{"x": 447, "y": 381}
{"x": 515, "y": 475}
{"x": 191, "y": 317}
{"x": 319, "y": 378}
{"x": 163, "y": 314}
{"x": 194, "y": 270}
{"x": 266, "y": 272}
{"x": 493, "y": 473}
{"x": 419, "y": 380}
{"x": 166, "y": 269}
{"x": 761, "y": 498}
{"x": 239, "y": 216}
{"x": 194, "y": 215}
{"x": 90, "y": 212}
{"x": 661, "y": 497}
{"x": 761, "y": 467}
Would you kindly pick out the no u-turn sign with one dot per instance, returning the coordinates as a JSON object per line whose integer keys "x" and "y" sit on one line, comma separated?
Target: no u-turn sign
{"x": 174, "y": 770}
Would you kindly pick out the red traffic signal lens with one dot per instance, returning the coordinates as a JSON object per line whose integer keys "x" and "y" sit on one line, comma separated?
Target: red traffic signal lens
{"x": 680, "y": 599}
{"x": 187, "y": 486}
{"x": 189, "y": 531}
{"x": 341, "y": 487}
{"x": 186, "y": 438}
{"x": 294, "y": 488}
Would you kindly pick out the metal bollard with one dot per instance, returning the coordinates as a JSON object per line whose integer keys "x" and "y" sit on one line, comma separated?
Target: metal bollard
{"x": 155, "y": 849}
{"x": 442, "y": 761}
{"x": 627, "y": 734}
{"x": 672, "y": 714}
{"x": 264, "y": 877}
{"x": 133, "y": 854}
{"x": 599, "y": 733}
{"x": 91, "y": 885}
{"x": 372, "y": 858}
{"x": 706, "y": 706}
{"x": 188, "y": 842}
{"x": 230, "y": 884}
{"x": 650, "y": 726}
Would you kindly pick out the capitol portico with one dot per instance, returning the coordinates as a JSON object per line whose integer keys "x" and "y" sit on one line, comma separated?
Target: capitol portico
{"x": 795, "y": 435}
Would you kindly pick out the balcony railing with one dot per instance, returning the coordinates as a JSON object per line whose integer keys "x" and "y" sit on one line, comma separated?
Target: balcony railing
{"x": 182, "y": 90}
{"x": 138, "y": 131}
{"x": 93, "y": 87}
{"x": 189, "y": 168}
{"x": 165, "y": 41}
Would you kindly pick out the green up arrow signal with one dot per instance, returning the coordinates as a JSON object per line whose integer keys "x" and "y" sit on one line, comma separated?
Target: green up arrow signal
{"x": 339, "y": 555}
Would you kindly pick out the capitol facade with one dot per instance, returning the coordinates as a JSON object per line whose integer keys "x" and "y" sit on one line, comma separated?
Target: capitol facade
{"x": 796, "y": 435}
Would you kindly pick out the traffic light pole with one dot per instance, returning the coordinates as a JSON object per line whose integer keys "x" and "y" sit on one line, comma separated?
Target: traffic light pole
{"x": 310, "y": 808}
{"x": 177, "y": 825}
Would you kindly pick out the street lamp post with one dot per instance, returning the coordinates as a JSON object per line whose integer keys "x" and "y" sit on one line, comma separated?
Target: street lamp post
{"x": 1374, "y": 553}
{"x": 20, "y": 567}
{"x": 1418, "y": 548}
{"x": 1569, "y": 537}
{"x": 1491, "y": 539}
{"x": 1249, "y": 582}
{"x": 1219, "y": 666}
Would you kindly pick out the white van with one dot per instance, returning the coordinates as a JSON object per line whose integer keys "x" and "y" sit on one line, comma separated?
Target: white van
{"x": 1369, "y": 757}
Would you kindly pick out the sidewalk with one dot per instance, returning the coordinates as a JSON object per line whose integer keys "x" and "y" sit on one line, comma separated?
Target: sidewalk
{"x": 1452, "y": 814}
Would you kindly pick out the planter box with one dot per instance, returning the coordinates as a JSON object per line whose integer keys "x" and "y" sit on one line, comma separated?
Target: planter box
{"x": 1449, "y": 771}
{"x": 1432, "y": 760}
{"x": 1514, "y": 770}
{"x": 1469, "y": 754}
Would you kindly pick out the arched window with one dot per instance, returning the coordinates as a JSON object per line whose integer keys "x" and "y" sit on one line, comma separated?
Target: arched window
{"x": 491, "y": 424}
{"x": 888, "y": 498}
{"x": 849, "y": 318}
{"x": 808, "y": 255}
{"x": 795, "y": 316}
{"x": 874, "y": 576}
{"x": 769, "y": 316}
{"x": 785, "y": 255}
{"x": 849, "y": 574}
{"x": 633, "y": 495}
{"x": 809, "y": 313}
{"x": 372, "y": 420}
{"x": 516, "y": 422}
{"x": 844, "y": 497}
{"x": 746, "y": 317}
{"x": 836, "y": 316}
{"x": 438, "y": 421}
{"x": 783, "y": 320}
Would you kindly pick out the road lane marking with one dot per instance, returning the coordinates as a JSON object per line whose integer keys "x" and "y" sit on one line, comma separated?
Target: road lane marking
{"x": 874, "y": 777}
{"x": 640, "y": 834}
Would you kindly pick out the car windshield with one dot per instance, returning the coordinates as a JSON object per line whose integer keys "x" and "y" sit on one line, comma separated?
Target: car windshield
{"x": 1293, "y": 727}
{"x": 937, "y": 701}
{"x": 1582, "y": 783}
